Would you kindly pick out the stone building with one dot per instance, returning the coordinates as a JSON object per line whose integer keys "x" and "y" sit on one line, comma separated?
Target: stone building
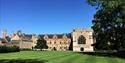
{"x": 60, "y": 42}
{"x": 79, "y": 40}
{"x": 24, "y": 41}
{"x": 82, "y": 40}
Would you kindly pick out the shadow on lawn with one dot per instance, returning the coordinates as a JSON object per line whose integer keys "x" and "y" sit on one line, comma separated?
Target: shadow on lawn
{"x": 22, "y": 61}
{"x": 106, "y": 54}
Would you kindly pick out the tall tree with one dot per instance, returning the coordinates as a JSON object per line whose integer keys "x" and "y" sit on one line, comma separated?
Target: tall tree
{"x": 109, "y": 24}
{"x": 41, "y": 44}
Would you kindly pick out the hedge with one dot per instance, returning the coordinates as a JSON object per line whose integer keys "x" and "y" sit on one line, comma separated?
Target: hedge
{"x": 6, "y": 49}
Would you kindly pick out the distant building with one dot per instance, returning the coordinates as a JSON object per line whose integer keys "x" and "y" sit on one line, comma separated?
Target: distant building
{"x": 60, "y": 42}
{"x": 79, "y": 40}
{"x": 2, "y": 40}
{"x": 24, "y": 40}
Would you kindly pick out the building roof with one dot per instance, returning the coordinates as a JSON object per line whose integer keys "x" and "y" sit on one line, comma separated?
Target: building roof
{"x": 11, "y": 43}
{"x": 24, "y": 37}
{"x": 3, "y": 40}
{"x": 81, "y": 29}
{"x": 27, "y": 36}
{"x": 58, "y": 35}
{"x": 41, "y": 36}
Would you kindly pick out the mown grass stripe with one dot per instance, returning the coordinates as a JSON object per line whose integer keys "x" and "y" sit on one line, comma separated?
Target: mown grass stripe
{"x": 60, "y": 60}
{"x": 58, "y": 57}
{"x": 90, "y": 59}
{"x": 111, "y": 60}
{"x": 73, "y": 59}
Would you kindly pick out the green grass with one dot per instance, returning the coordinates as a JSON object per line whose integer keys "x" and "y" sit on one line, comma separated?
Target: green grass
{"x": 55, "y": 57}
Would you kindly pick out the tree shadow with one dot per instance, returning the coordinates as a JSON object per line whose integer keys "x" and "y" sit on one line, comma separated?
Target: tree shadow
{"x": 22, "y": 61}
{"x": 106, "y": 54}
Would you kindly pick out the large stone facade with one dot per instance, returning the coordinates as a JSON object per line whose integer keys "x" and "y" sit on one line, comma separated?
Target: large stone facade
{"x": 79, "y": 40}
{"x": 82, "y": 40}
{"x": 60, "y": 42}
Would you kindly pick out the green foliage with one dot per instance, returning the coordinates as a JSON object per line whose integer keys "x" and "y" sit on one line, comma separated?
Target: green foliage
{"x": 109, "y": 24}
{"x": 25, "y": 49}
{"x": 41, "y": 44}
{"x": 6, "y": 49}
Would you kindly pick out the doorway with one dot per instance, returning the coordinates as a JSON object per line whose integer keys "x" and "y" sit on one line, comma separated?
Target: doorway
{"x": 81, "y": 49}
{"x": 54, "y": 48}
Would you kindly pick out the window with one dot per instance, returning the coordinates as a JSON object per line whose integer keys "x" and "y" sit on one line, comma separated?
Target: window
{"x": 60, "y": 47}
{"x": 65, "y": 47}
{"x": 81, "y": 40}
{"x": 81, "y": 31}
{"x": 90, "y": 36}
{"x": 50, "y": 47}
{"x": 64, "y": 42}
{"x": 50, "y": 42}
{"x": 54, "y": 42}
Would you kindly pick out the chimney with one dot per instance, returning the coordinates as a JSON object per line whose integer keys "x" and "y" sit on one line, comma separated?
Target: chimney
{"x": 12, "y": 35}
{"x": 4, "y": 34}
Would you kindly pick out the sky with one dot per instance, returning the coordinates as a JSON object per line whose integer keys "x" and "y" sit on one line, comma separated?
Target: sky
{"x": 45, "y": 16}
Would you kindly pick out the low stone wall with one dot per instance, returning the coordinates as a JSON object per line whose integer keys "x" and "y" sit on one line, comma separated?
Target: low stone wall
{"x": 22, "y": 45}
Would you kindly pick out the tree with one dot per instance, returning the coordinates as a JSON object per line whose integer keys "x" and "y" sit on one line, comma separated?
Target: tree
{"x": 109, "y": 24}
{"x": 41, "y": 44}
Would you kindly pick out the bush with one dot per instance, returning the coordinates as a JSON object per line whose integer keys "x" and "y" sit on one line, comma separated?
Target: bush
{"x": 26, "y": 49}
{"x": 6, "y": 49}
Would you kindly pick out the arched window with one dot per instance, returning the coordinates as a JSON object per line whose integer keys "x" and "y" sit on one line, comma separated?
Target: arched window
{"x": 60, "y": 42}
{"x": 81, "y": 40}
{"x": 54, "y": 42}
{"x": 50, "y": 42}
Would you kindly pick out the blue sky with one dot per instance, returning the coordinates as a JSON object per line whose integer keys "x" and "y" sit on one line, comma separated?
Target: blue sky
{"x": 45, "y": 16}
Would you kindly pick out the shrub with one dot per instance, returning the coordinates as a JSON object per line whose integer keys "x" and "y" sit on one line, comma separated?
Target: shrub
{"x": 6, "y": 49}
{"x": 26, "y": 49}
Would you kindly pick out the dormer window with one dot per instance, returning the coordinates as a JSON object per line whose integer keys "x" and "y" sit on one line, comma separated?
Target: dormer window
{"x": 64, "y": 36}
{"x": 45, "y": 37}
{"x": 55, "y": 36}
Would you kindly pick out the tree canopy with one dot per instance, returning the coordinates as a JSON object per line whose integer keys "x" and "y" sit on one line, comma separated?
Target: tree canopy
{"x": 109, "y": 24}
{"x": 41, "y": 44}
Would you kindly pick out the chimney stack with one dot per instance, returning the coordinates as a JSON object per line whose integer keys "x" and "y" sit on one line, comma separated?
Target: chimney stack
{"x": 12, "y": 34}
{"x": 3, "y": 33}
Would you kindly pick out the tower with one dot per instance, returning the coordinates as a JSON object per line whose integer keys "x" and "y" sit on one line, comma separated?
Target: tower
{"x": 82, "y": 40}
{"x": 3, "y": 33}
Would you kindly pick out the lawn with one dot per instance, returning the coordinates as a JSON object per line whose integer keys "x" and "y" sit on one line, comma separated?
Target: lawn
{"x": 55, "y": 57}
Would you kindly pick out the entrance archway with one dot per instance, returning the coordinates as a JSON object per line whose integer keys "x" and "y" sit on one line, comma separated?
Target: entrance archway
{"x": 81, "y": 49}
